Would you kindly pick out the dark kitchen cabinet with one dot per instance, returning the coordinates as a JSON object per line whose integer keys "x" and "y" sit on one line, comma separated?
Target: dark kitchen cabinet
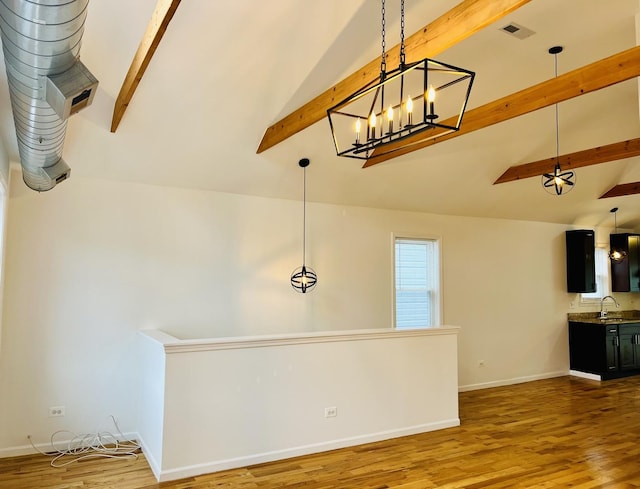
{"x": 593, "y": 348}
{"x": 629, "y": 335}
{"x": 612, "y": 347}
{"x": 625, "y": 274}
{"x": 581, "y": 265}
{"x": 607, "y": 350}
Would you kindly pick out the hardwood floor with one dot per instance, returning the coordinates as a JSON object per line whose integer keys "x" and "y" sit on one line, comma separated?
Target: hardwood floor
{"x": 563, "y": 432}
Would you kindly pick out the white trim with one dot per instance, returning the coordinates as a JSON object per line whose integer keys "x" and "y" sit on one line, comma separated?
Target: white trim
{"x": 148, "y": 454}
{"x": 585, "y": 375}
{"x": 175, "y": 345}
{"x": 512, "y": 381}
{"x": 257, "y": 458}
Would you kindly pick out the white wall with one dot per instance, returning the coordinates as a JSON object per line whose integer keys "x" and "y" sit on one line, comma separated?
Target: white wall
{"x": 4, "y": 163}
{"x": 4, "y": 197}
{"x": 91, "y": 262}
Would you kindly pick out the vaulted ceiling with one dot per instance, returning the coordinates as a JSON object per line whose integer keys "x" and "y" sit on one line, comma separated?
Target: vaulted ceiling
{"x": 226, "y": 71}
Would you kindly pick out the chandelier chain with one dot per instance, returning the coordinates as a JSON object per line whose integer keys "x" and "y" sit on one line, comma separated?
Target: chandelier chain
{"x": 402, "y": 58}
{"x": 383, "y": 61}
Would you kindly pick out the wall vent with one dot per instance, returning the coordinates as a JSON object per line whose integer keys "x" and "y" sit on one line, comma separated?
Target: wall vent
{"x": 517, "y": 30}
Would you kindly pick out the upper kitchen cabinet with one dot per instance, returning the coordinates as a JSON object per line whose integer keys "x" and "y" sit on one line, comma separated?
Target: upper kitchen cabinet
{"x": 581, "y": 265}
{"x": 625, "y": 271}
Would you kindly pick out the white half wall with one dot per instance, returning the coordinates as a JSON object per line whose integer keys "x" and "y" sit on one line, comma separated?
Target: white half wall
{"x": 92, "y": 262}
{"x": 233, "y": 402}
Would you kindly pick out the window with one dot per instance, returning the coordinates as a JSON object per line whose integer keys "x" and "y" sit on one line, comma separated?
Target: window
{"x": 601, "y": 257}
{"x": 417, "y": 283}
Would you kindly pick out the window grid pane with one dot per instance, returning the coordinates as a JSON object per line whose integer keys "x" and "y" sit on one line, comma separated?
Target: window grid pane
{"x": 417, "y": 283}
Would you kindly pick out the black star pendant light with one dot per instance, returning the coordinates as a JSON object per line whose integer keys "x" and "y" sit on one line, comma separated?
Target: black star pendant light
{"x": 559, "y": 182}
{"x": 304, "y": 279}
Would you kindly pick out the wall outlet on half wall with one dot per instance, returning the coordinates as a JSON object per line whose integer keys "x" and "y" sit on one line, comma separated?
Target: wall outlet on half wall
{"x": 330, "y": 412}
{"x": 55, "y": 411}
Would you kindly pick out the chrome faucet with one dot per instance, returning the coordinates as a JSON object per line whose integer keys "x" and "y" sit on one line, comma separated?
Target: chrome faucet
{"x": 603, "y": 312}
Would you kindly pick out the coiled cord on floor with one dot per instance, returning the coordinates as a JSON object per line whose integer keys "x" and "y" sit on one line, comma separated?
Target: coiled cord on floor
{"x": 90, "y": 445}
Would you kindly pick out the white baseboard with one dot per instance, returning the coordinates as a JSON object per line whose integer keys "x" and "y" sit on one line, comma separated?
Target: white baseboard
{"x": 151, "y": 460}
{"x": 512, "y": 381}
{"x": 584, "y": 375}
{"x": 27, "y": 449}
{"x": 218, "y": 465}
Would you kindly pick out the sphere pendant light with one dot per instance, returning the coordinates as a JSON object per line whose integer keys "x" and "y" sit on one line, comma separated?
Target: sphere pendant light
{"x": 304, "y": 279}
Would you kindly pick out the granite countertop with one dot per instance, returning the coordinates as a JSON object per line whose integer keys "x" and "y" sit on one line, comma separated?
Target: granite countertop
{"x": 613, "y": 317}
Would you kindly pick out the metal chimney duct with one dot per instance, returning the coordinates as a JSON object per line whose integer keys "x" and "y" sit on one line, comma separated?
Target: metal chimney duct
{"x": 47, "y": 82}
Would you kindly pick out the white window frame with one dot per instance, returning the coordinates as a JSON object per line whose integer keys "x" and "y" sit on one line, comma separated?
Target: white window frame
{"x": 603, "y": 277}
{"x": 438, "y": 301}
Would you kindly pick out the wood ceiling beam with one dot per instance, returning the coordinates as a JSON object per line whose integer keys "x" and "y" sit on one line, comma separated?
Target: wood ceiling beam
{"x": 622, "y": 189}
{"x": 595, "y": 76}
{"x": 571, "y": 161}
{"x": 160, "y": 19}
{"x": 459, "y": 23}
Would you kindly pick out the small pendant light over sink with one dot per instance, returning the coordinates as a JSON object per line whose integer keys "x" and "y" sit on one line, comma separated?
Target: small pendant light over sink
{"x": 304, "y": 279}
{"x": 616, "y": 255}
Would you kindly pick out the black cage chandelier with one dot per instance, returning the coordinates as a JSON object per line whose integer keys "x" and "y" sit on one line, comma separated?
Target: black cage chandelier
{"x": 426, "y": 95}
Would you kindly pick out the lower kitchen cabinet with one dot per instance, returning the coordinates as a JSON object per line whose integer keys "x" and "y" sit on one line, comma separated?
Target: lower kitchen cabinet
{"x": 629, "y": 335}
{"x": 607, "y": 350}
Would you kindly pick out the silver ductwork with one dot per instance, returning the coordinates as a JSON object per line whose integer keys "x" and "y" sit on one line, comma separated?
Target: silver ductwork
{"x": 47, "y": 82}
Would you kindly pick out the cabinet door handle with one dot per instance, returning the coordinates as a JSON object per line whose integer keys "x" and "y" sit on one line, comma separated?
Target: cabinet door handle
{"x": 617, "y": 341}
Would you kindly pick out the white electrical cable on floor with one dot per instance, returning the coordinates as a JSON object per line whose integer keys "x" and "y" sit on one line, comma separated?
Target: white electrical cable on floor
{"x": 91, "y": 445}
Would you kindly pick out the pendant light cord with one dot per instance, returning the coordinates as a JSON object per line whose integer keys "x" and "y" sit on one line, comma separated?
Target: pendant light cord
{"x": 304, "y": 215}
{"x": 557, "y": 130}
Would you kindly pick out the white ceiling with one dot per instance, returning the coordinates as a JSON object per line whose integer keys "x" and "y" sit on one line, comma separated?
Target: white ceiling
{"x": 226, "y": 70}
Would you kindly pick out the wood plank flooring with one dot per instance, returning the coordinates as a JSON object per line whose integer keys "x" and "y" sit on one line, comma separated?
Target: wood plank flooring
{"x": 562, "y": 432}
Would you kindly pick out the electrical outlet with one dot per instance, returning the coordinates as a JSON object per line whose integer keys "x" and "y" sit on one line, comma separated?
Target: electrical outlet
{"x": 330, "y": 412}
{"x": 55, "y": 411}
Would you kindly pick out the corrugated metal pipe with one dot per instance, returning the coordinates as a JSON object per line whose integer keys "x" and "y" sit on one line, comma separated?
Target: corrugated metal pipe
{"x": 47, "y": 82}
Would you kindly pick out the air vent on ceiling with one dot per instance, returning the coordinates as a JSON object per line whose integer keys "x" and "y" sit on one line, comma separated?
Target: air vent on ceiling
{"x": 516, "y": 30}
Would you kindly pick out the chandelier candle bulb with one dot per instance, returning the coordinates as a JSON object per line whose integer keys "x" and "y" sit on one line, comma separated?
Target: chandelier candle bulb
{"x": 390, "y": 118}
{"x": 372, "y": 125}
{"x": 431, "y": 97}
{"x": 409, "y": 106}
{"x": 358, "y": 127}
